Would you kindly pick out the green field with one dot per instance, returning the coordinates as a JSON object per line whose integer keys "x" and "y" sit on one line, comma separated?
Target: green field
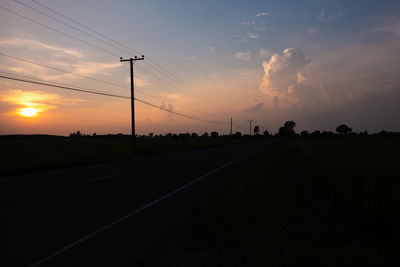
{"x": 304, "y": 201}
{"x": 31, "y": 153}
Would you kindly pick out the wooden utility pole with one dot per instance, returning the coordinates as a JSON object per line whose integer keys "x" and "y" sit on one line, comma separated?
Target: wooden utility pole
{"x": 231, "y": 126}
{"x": 132, "y": 61}
{"x": 250, "y": 121}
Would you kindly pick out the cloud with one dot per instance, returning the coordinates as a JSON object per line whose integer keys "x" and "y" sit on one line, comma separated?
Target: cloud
{"x": 87, "y": 68}
{"x": 256, "y": 108}
{"x": 35, "y": 45}
{"x": 191, "y": 58}
{"x": 40, "y": 100}
{"x": 281, "y": 70}
{"x": 168, "y": 107}
{"x": 247, "y": 23}
{"x": 301, "y": 77}
{"x": 284, "y": 82}
{"x": 37, "y": 51}
{"x": 261, "y": 14}
{"x": 252, "y": 35}
{"x": 265, "y": 53}
{"x": 140, "y": 81}
{"x": 245, "y": 56}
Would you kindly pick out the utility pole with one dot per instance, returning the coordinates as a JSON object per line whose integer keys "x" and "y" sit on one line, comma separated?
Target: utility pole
{"x": 231, "y": 126}
{"x": 250, "y": 121}
{"x": 263, "y": 131}
{"x": 132, "y": 61}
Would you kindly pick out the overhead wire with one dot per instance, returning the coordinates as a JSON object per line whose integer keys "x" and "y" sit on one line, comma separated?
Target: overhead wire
{"x": 96, "y": 92}
{"x": 60, "y": 32}
{"x": 106, "y": 37}
{"x": 76, "y": 39}
{"x": 166, "y": 73}
{"x": 79, "y": 40}
{"x": 90, "y": 78}
{"x": 157, "y": 66}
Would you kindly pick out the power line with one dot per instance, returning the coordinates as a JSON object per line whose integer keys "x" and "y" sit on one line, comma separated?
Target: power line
{"x": 82, "y": 90}
{"x": 95, "y": 46}
{"x": 64, "y": 87}
{"x": 108, "y": 38}
{"x": 157, "y": 68}
{"x": 62, "y": 70}
{"x": 238, "y": 126}
{"x": 60, "y": 32}
{"x": 68, "y": 25}
{"x": 86, "y": 77}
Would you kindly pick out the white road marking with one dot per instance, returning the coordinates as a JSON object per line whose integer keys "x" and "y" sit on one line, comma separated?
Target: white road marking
{"x": 129, "y": 215}
{"x": 106, "y": 177}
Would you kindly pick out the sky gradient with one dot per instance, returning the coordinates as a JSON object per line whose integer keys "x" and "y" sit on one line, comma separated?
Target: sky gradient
{"x": 319, "y": 63}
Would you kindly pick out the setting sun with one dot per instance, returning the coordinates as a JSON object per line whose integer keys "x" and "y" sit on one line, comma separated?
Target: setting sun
{"x": 29, "y": 112}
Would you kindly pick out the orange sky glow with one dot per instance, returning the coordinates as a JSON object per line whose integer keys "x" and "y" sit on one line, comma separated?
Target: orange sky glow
{"x": 263, "y": 61}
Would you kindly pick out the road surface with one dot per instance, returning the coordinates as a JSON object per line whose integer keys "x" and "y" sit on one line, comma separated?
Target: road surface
{"x": 108, "y": 214}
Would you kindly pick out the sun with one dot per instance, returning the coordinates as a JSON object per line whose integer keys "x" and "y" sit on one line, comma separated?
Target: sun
{"x": 28, "y": 112}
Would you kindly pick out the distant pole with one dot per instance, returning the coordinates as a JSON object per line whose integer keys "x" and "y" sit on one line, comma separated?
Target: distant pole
{"x": 231, "y": 125}
{"x": 132, "y": 61}
{"x": 250, "y": 121}
{"x": 263, "y": 130}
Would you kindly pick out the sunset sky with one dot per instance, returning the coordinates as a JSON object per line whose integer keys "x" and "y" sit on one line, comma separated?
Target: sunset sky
{"x": 319, "y": 63}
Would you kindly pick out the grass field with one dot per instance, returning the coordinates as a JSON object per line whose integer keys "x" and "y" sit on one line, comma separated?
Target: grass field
{"x": 304, "y": 201}
{"x": 32, "y": 153}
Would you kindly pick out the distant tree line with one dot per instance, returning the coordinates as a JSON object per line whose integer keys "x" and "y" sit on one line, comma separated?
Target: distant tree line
{"x": 287, "y": 130}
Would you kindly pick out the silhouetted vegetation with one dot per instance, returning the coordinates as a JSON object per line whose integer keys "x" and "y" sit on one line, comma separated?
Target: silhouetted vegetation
{"x": 287, "y": 129}
{"x": 343, "y": 129}
{"x": 31, "y": 152}
{"x": 256, "y": 130}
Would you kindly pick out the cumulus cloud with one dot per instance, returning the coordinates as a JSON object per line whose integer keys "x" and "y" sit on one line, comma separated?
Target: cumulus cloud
{"x": 285, "y": 83}
{"x": 281, "y": 70}
{"x": 244, "y": 56}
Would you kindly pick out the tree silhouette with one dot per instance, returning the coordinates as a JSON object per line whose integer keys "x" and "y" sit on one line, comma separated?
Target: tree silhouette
{"x": 205, "y": 135}
{"x": 290, "y": 125}
{"x": 214, "y": 135}
{"x": 304, "y": 133}
{"x": 343, "y": 129}
{"x": 287, "y": 129}
{"x": 256, "y": 130}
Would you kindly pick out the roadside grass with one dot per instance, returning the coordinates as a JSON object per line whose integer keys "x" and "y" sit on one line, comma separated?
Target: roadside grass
{"x": 323, "y": 202}
{"x": 33, "y": 153}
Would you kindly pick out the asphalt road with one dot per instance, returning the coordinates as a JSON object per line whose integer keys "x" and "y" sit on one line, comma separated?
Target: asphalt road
{"x": 108, "y": 214}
